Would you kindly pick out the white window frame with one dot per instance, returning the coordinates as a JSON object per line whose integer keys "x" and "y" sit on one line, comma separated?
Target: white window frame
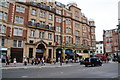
{"x": 19, "y": 43}
{"x": 77, "y": 32}
{"x": 16, "y": 19}
{"x": 42, "y": 14}
{"x": 14, "y": 43}
{"x": 49, "y": 36}
{"x": 67, "y": 39}
{"x": 58, "y": 11}
{"x": 58, "y": 29}
{"x": 15, "y": 31}
{"x": 34, "y": 12}
{"x": 17, "y": 8}
{"x": 67, "y": 14}
{"x": 59, "y": 20}
{"x": 32, "y": 33}
{"x": 19, "y": 20}
{"x": 22, "y": 9}
{"x": 68, "y": 22}
{"x": 42, "y": 34}
{"x": 5, "y": 16}
{"x": 77, "y": 40}
{"x": 18, "y": 32}
{"x": 50, "y": 17}
{"x": 1, "y": 15}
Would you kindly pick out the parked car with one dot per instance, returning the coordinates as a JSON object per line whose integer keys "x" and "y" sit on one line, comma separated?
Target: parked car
{"x": 117, "y": 57}
{"x": 94, "y": 61}
{"x": 81, "y": 62}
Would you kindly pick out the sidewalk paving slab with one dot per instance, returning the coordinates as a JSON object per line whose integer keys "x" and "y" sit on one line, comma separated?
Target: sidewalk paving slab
{"x": 47, "y": 65}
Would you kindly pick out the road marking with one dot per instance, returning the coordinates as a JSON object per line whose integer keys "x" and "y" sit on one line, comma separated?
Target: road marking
{"x": 24, "y": 76}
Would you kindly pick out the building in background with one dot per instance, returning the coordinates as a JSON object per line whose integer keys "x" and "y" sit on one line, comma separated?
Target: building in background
{"x": 110, "y": 40}
{"x": 119, "y": 25}
{"x": 47, "y": 29}
{"x": 99, "y": 48}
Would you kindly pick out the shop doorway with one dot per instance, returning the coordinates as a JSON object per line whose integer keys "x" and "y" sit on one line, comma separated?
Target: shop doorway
{"x": 50, "y": 53}
{"x": 17, "y": 53}
{"x": 30, "y": 52}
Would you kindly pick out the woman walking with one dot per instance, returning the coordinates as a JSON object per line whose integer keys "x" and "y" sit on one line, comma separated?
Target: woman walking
{"x": 14, "y": 61}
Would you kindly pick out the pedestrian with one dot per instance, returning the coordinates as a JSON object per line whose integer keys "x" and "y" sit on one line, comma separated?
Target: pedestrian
{"x": 43, "y": 61}
{"x": 25, "y": 61}
{"x": 51, "y": 61}
{"x": 33, "y": 61}
{"x": 7, "y": 60}
{"x": 108, "y": 58}
{"x": 28, "y": 59}
{"x": 62, "y": 60}
{"x": 66, "y": 60}
{"x": 54, "y": 60}
{"x": 38, "y": 60}
{"x": 14, "y": 61}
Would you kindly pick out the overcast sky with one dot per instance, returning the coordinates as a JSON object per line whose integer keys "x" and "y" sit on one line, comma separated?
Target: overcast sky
{"x": 104, "y": 13}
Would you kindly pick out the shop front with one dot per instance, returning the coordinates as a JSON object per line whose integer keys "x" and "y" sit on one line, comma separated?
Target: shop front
{"x": 69, "y": 54}
{"x": 3, "y": 53}
{"x": 17, "y": 53}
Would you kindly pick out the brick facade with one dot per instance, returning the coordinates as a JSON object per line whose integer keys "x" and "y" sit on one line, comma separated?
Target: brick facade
{"x": 38, "y": 34}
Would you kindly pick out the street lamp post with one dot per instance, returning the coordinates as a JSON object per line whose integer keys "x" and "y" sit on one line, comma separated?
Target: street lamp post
{"x": 61, "y": 43}
{"x": 60, "y": 52}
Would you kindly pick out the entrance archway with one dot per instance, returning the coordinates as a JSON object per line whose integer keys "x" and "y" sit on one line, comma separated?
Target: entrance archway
{"x": 40, "y": 51}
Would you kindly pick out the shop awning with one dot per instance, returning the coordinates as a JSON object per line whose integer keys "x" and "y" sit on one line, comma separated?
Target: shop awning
{"x": 4, "y": 49}
{"x": 68, "y": 51}
{"x": 80, "y": 54}
{"x": 99, "y": 53}
{"x": 70, "y": 54}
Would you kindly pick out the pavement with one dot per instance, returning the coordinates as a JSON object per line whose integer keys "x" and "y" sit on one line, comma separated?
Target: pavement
{"x": 22, "y": 66}
{"x": 47, "y": 65}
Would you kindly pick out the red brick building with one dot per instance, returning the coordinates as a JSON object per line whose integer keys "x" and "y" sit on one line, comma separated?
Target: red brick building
{"x": 43, "y": 29}
{"x": 110, "y": 40}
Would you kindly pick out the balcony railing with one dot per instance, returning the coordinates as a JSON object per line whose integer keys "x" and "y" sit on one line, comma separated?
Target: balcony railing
{"x": 43, "y": 26}
{"x": 43, "y": 6}
{"x": 50, "y": 9}
{"x": 31, "y": 23}
{"x": 33, "y": 3}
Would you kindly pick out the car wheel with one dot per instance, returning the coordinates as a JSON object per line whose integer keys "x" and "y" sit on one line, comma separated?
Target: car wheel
{"x": 92, "y": 65}
{"x": 86, "y": 65}
{"x": 100, "y": 64}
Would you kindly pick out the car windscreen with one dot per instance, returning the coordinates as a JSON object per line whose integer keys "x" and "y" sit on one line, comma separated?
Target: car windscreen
{"x": 86, "y": 59}
{"x": 119, "y": 54}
